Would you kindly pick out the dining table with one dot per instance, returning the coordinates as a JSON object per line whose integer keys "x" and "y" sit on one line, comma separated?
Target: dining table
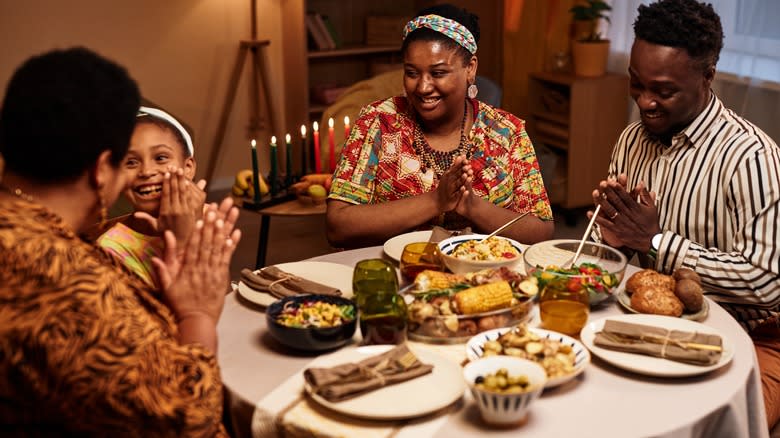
{"x": 259, "y": 375}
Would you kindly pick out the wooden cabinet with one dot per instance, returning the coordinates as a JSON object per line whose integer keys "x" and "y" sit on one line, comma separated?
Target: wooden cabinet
{"x": 579, "y": 120}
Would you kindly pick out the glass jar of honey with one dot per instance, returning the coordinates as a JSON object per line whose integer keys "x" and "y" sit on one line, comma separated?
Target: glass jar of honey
{"x": 564, "y": 305}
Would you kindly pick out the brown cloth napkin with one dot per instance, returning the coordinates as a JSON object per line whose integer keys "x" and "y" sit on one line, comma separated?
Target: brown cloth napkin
{"x": 281, "y": 284}
{"x": 677, "y": 345}
{"x": 438, "y": 233}
{"x": 348, "y": 380}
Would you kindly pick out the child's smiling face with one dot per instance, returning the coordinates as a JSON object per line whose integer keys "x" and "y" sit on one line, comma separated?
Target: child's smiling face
{"x": 152, "y": 149}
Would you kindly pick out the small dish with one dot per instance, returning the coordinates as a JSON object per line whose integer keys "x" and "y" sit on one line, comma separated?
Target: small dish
{"x": 474, "y": 350}
{"x": 625, "y": 300}
{"x": 311, "y": 338}
{"x": 507, "y": 408}
{"x": 462, "y": 266}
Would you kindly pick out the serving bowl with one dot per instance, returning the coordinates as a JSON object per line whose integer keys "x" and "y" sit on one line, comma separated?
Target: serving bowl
{"x": 311, "y": 338}
{"x": 462, "y": 265}
{"x": 544, "y": 259}
{"x": 504, "y": 408}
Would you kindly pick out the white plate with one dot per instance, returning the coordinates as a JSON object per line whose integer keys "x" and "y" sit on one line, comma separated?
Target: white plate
{"x": 581, "y": 355}
{"x": 701, "y": 315}
{"x": 395, "y": 246}
{"x": 329, "y": 274}
{"x": 413, "y": 398}
{"x": 649, "y": 365}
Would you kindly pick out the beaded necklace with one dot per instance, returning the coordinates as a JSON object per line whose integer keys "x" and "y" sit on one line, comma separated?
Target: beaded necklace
{"x": 17, "y": 192}
{"x": 440, "y": 161}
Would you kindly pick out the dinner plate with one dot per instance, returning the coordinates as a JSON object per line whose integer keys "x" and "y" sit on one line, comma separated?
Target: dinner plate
{"x": 409, "y": 399}
{"x": 581, "y": 355}
{"x": 329, "y": 274}
{"x": 649, "y": 365}
{"x": 625, "y": 301}
{"x": 395, "y": 246}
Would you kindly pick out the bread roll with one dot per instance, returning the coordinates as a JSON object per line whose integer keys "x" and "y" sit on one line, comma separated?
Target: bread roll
{"x": 690, "y": 293}
{"x": 649, "y": 277}
{"x": 686, "y": 273}
{"x": 656, "y": 300}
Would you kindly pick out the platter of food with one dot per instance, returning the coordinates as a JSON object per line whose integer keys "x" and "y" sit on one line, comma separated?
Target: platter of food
{"x": 562, "y": 357}
{"x": 329, "y": 274}
{"x": 394, "y": 247}
{"x": 433, "y": 391}
{"x": 451, "y": 308}
{"x": 649, "y": 365}
{"x": 679, "y": 295}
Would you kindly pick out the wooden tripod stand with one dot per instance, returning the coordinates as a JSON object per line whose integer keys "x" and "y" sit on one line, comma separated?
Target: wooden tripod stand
{"x": 259, "y": 74}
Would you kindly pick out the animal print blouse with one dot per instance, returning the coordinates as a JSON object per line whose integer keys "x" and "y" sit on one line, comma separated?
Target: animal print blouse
{"x": 85, "y": 349}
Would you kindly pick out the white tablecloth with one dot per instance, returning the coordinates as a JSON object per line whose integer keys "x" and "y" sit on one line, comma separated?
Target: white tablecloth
{"x": 604, "y": 401}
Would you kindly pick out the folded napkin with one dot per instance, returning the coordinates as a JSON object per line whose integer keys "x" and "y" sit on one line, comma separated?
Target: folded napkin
{"x": 352, "y": 379}
{"x": 280, "y": 284}
{"x": 689, "y": 347}
{"x": 438, "y": 233}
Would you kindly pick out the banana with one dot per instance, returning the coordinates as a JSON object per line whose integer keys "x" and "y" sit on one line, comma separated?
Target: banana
{"x": 238, "y": 191}
{"x": 244, "y": 183}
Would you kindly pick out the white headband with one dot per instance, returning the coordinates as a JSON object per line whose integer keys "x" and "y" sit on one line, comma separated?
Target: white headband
{"x": 160, "y": 114}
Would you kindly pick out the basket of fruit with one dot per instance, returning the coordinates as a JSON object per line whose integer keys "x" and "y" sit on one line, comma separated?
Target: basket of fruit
{"x": 312, "y": 188}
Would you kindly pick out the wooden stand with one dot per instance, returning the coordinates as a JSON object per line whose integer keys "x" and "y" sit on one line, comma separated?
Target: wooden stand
{"x": 259, "y": 74}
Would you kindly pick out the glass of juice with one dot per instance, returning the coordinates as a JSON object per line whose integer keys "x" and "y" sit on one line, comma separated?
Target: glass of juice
{"x": 564, "y": 305}
{"x": 419, "y": 256}
{"x": 382, "y": 311}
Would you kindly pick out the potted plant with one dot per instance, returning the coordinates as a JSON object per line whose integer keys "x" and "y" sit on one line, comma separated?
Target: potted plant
{"x": 589, "y": 49}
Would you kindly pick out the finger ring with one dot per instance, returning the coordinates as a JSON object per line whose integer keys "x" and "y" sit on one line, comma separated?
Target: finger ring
{"x": 612, "y": 217}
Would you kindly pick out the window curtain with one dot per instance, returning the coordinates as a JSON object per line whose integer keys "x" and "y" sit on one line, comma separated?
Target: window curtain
{"x": 748, "y": 78}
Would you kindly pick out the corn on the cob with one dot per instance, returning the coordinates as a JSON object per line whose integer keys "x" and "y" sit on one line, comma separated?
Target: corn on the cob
{"x": 484, "y": 298}
{"x": 431, "y": 280}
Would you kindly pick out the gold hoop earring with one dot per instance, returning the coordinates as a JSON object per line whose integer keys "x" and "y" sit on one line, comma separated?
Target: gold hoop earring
{"x": 472, "y": 91}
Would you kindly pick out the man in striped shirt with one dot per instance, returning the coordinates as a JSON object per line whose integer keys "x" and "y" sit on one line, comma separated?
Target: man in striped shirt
{"x": 705, "y": 181}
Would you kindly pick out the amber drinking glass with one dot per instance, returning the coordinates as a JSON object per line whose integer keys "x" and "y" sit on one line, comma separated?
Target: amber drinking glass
{"x": 564, "y": 305}
{"x": 418, "y": 257}
{"x": 382, "y": 310}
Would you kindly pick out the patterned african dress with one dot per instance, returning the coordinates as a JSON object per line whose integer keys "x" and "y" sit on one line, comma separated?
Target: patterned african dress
{"x": 134, "y": 250}
{"x": 379, "y": 162}
{"x": 85, "y": 348}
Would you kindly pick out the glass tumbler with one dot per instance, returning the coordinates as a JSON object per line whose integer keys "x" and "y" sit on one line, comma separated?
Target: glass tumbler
{"x": 382, "y": 310}
{"x": 564, "y": 305}
{"x": 419, "y": 256}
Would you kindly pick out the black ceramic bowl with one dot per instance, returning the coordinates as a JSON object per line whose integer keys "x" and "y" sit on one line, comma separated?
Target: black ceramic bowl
{"x": 310, "y": 339}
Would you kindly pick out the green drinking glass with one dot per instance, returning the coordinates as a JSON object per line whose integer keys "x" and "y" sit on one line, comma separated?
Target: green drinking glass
{"x": 382, "y": 311}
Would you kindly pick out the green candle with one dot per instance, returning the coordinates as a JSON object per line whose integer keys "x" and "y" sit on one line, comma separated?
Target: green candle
{"x": 273, "y": 174}
{"x": 255, "y": 173}
{"x": 288, "y": 160}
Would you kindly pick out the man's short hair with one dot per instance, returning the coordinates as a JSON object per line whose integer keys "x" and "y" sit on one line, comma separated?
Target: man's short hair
{"x": 685, "y": 24}
{"x": 61, "y": 110}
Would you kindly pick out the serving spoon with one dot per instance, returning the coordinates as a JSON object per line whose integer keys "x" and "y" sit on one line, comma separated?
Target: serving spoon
{"x": 505, "y": 226}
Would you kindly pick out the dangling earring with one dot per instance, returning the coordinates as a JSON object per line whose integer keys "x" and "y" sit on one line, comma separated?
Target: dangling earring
{"x": 472, "y": 91}
{"x": 103, "y": 210}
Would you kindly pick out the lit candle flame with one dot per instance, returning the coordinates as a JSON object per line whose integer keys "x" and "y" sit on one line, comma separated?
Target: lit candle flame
{"x": 254, "y": 144}
{"x": 273, "y": 140}
{"x": 316, "y": 127}
{"x": 346, "y": 120}
{"x": 303, "y": 131}
{"x": 330, "y": 122}
{"x": 287, "y": 138}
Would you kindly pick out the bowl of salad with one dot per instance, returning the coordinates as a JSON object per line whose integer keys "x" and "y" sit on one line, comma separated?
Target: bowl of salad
{"x": 599, "y": 269}
{"x": 312, "y": 322}
{"x": 472, "y": 253}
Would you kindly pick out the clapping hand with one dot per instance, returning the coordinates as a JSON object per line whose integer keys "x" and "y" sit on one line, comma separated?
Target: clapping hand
{"x": 181, "y": 205}
{"x": 453, "y": 184}
{"x": 629, "y": 219}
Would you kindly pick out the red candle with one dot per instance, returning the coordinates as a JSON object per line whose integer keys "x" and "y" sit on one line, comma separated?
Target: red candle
{"x": 346, "y": 129}
{"x": 317, "y": 160}
{"x": 331, "y": 146}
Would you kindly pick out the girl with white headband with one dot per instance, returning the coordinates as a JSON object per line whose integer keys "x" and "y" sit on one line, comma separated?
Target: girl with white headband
{"x": 160, "y": 146}
{"x": 437, "y": 155}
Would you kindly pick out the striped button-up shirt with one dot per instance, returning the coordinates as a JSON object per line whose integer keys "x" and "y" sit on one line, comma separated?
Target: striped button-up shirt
{"x": 718, "y": 193}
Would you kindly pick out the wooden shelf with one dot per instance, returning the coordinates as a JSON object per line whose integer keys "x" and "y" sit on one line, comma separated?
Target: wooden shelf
{"x": 593, "y": 112}
{"x": 352, "y": 51}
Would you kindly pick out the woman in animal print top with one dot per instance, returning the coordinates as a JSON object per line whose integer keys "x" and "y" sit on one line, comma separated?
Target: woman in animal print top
{"x": 86, "y": 349}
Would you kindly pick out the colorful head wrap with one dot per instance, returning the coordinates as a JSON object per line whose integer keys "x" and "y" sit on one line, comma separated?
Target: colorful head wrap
{"x": 446, "y": 26}
{"x": 162, "y": 115}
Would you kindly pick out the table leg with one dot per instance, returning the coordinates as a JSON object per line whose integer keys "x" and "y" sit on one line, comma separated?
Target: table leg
{"x": 262, "y": 246}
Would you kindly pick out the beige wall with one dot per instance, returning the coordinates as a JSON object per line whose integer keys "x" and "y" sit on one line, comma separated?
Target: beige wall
{"x": 181, "y": 53}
